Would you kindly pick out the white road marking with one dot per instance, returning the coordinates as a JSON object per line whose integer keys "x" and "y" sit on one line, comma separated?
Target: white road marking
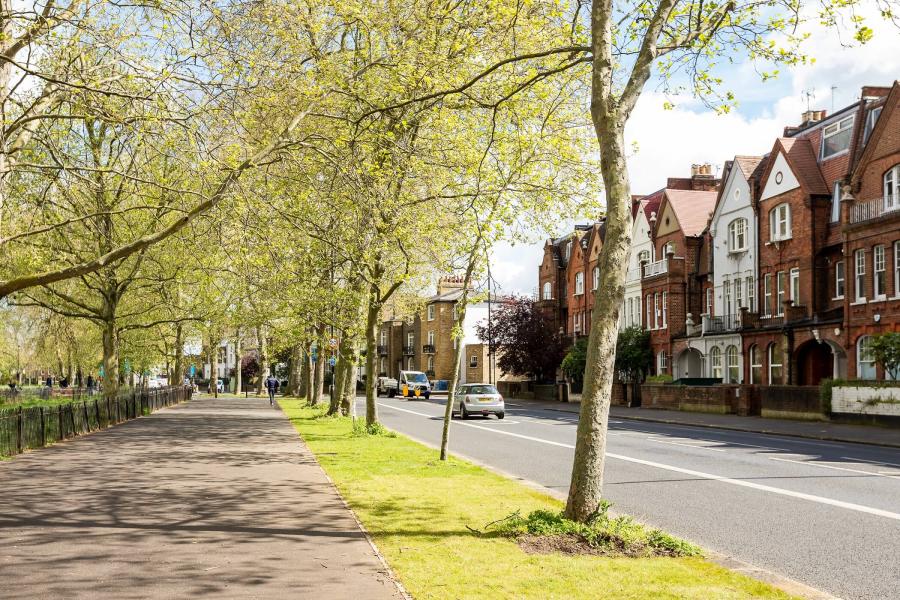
{"x": 880, "y": 463}
{"x": 819, "y": 464}
{"x": 686, "y": 445}
{"x": 649, "y": 463}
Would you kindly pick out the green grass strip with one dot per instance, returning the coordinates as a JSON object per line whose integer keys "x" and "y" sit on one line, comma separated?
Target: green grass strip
{"x": 417, "y": 510}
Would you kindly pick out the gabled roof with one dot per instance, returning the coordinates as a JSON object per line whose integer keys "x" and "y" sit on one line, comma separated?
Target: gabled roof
{"x": 890, "y": 103}
{"x": 692, "y": 209}
{"x": 801, "y": 157}
{"x": 748, "y": 164}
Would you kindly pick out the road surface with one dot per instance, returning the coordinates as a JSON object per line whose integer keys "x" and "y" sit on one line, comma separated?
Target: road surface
{"x": 823, "y": 513}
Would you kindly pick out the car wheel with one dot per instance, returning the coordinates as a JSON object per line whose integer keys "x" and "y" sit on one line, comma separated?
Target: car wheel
{"x": 427, "y": 396}
{"x": 463, "y": 412}
{"x": 501, "y": 415}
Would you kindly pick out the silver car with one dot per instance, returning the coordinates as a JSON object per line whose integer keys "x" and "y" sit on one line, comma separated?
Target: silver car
{"x": 478, "y": 399}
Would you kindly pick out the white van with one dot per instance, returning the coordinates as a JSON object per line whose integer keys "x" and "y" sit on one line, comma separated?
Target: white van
{"x": 414, "y": 381}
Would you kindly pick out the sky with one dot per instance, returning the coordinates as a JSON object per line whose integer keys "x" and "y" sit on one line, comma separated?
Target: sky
{"x": 668, "y": 142}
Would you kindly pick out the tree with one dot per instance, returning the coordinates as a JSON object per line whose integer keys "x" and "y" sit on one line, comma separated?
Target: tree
{"x": 573, "y": 364}
{"x": 526, "y": 342}
{"x": 633, "y": 354}
{"x": 885, "y": 350}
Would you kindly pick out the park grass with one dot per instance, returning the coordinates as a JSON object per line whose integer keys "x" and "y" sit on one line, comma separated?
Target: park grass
{"x": 418, "y": 510}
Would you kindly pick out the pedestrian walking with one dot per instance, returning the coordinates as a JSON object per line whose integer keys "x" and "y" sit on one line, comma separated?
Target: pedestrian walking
{"x": 90, "y": 385}
{"x": 272, "y": 387}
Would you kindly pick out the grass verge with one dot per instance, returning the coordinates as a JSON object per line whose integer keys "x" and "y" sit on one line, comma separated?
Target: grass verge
{"x": 419, "y": 511}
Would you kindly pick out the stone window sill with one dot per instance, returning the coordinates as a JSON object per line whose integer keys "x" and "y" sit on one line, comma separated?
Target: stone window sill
{"x": 859, "y": 302}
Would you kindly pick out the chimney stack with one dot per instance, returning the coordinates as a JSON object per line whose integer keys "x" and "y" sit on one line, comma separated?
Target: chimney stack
{"x": 446, "y": 284}
{"x": 812, "y": 116}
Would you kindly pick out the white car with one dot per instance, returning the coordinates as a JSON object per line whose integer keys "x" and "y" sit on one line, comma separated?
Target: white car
{"x": 478, "y": 399}
{"x": 414, "y": 384}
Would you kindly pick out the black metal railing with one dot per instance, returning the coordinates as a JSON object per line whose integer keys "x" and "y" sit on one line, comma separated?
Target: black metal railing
{"x": 382, "y": 350}
{"x": 409, "y": 350}
{"x": 428, "y": 348}
{"x": 36, "y": 426}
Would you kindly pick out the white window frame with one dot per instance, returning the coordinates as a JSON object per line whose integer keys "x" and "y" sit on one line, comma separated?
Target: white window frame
{"x": 383, "y": 338}
{"x": 897, "y": 269}
{"x": 431, "y": 362}
{"x": 643, "y": 256}
{"x": 859, "y": 275}
{"x": 751, "y": 295}
{"x": 755, "y": 363}
{"x": 579, "y": 283}
{"x": 773, "y": 352}
{"x": 726, "y": 300}
{"x": 780, "y": 222}
{"x": 662, "y": 363}
{"x": 795, "y": 286}
{"x": 548, "y": 291}
{"x": 665, "y": 309}
{"x": 737, "y": 235}
{"x": 715, "y": 363}
{"x": 732, "y": 369}
{"x": 879, "y": 276}
{"x": 840, "y": 280}
{"x": 431, "y": 312}
{"x": 864, "y": 357}
{"x": 835, "y": 215}
{"x": 838, "y": 128}
{"x": 709, "y": 301}
{"x": 656, "y": 313}
{"x": 767, "y": 294}
{"x": 779, "y": 293}
{"x": 409, "y": 364}
{"x": 738, "y": 294}
{"x": 431, "y": 337}
{"x": 667, "y": 248}
{"x": 410, "y": 338}
{"x": 892, "y": 188}
{"x": 473, "y": 361}
{"x": 649, "y": 311}
{"x": 595, "y": 278}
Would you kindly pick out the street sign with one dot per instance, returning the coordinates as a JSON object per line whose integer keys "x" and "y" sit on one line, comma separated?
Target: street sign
{"x": 193, "y": 370}
{"x": 333, "y": 342}
{"x": 332, "y": 361}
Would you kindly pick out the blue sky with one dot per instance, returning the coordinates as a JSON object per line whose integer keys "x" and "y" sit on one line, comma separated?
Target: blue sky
{"x": 669, "y": 141}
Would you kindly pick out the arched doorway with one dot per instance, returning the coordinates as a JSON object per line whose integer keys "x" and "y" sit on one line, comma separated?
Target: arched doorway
{"x": 815, "y": 362}
{"x": 690, "y": 364}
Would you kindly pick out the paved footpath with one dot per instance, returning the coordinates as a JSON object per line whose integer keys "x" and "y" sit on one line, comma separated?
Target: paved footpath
{"x": 216, "y": 498}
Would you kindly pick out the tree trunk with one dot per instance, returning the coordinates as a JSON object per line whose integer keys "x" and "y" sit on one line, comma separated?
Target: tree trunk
{"x": 179, "y": 356}
{"x": 110, "y": 358}
{"x": 458, "y": 353}
{"x": 341, "y": 373}
{"x": 318, "y": 375}
{"x": 348, "y": 394}
{"x": 303, "y": 392}
{"x": 294, "y": 374}
{"x": 213, "y": 367}
{"x": 238, "y": 361}
{"x": 373, "y": 316}
{"x": 586, "y": 487}
{"x": 263, "y": 360}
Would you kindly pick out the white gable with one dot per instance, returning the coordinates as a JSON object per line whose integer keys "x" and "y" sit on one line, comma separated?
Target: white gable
{"x": 781, "y": 179}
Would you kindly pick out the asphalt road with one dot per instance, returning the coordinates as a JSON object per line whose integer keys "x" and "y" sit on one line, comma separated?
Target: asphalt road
{"x": 823, "y": 513}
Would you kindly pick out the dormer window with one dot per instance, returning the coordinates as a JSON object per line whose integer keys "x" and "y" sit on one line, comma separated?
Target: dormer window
{"x": 836, "y": 137}
{"x": 737, "y": 235}
{"x": 780, "y": 223}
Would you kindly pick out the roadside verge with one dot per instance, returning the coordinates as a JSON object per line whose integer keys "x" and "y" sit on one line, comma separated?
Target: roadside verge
{"x": 419, "y": 510}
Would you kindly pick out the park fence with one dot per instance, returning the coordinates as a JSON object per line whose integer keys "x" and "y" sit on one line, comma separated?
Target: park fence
{"x": 37, "y": 426}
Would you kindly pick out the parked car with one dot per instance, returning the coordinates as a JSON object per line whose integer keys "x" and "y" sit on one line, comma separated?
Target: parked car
{"x": 478, "y": 399}
{"x": 386, "y": 386}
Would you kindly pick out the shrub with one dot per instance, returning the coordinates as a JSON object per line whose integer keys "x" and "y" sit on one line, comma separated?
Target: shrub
{"x": 665, "y": 378}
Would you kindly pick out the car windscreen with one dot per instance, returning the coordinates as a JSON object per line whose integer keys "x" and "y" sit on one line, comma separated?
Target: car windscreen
{"x": 416, "y": 378}
{"x": 481, "y": 389}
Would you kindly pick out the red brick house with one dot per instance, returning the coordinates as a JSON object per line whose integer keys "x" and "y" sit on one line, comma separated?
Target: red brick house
{"x": 871, "y": 230}
{"x": 582, "y": 276}
{"x": 672, "y": 286}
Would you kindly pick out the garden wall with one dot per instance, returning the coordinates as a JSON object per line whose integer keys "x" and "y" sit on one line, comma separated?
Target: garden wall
{"x": 871, "y": 403}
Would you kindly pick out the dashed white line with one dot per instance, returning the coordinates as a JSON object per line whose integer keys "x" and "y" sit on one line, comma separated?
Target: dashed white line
{"x": 649, "y": 463}
{"x": 820, "y": 465}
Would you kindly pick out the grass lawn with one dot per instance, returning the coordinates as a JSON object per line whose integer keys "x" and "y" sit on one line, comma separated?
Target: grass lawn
{"x": 417, "y": 508}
